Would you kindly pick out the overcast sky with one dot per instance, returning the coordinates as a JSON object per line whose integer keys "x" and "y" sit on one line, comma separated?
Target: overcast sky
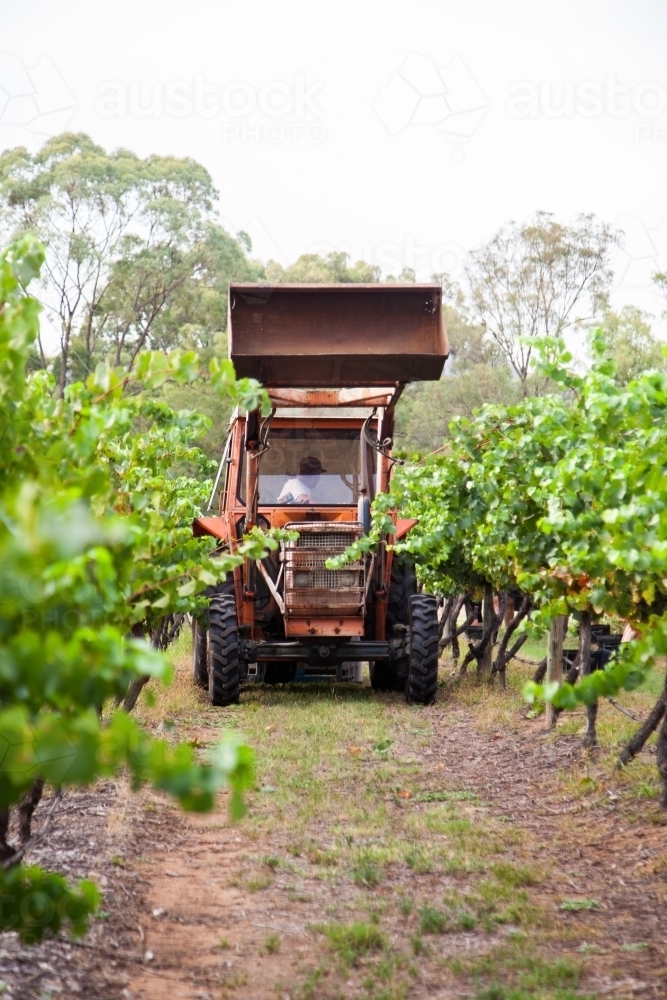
{"x": 403, "y": 133}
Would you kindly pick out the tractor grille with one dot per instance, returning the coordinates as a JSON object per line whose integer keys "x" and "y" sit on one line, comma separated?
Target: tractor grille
{"x": 334, "y": 542}
{"x": 311, "y": 588}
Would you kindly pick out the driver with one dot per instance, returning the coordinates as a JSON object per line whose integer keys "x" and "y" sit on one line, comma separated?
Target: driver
{"x": 300, "y": 489}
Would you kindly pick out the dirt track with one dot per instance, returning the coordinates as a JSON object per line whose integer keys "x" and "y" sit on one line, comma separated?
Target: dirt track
{"x": 595, "y": 851}
{"x": 194, "y": 903}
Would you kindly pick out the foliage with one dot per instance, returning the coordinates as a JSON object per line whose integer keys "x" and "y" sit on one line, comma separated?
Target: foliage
{"x": 476, "y": 373}
{"x": 562, "y": 497}
{"x": 311, "y": 268}
{"x": 634, "y": 347}
{"x": 95, "y": 548}
{"x": 134, "y": 255}
{"x": 529, "y": 280}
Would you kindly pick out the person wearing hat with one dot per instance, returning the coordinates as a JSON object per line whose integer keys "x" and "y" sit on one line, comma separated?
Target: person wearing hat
{"x": 300, "y": 488}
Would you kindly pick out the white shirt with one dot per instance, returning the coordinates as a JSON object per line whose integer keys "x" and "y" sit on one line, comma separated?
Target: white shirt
{"x": 297, "y": 488}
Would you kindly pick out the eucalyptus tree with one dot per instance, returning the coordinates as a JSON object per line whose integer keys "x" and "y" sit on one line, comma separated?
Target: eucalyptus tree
{"x": 537, "y": 280}
{"x": 129, "y": 242}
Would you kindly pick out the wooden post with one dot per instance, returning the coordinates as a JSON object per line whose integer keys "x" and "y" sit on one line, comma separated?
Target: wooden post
{"x": 554, "y": 662}
{"x": 590, "y": 736}
{"x": 487, "y": 620}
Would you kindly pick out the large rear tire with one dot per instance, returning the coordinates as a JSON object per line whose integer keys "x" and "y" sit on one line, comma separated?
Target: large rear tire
{"x": 402, "y": 588}
{"x": 423, "y": 672}
{"x": 199, "y": 649}
{"x": 393, "y": 676}
{"x": 223, "y": 649}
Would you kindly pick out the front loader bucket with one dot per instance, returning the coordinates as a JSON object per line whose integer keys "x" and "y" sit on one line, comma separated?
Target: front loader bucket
{"x": 337, "y": 335}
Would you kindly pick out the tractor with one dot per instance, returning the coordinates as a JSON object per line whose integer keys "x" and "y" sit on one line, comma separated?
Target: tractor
{"x": 334, "y": 360}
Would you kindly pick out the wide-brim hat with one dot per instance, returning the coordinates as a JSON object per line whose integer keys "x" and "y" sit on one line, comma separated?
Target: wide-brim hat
{"x": 310, "y": 466}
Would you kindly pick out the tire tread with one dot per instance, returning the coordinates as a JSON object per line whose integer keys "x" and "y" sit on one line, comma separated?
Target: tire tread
{"x": 423, "y": 674}
{"x": 224, "y": 674}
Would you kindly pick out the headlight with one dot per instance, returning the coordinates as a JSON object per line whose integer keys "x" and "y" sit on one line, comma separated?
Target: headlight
{"x": 347, "y": 578}
{"x": 302, "y": 580}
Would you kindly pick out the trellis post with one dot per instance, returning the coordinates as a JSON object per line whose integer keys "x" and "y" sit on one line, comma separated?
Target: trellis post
{"x": 554, "y": 662}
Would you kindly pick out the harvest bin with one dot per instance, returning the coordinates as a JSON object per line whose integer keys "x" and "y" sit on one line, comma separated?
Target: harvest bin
{"x": 328, "y": 335}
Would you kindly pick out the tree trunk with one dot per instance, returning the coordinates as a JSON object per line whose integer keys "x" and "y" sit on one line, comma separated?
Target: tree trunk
{"x": 443, "y": 625}
{"x": 554, "y": 663}
{"x": 590, "y": 736}
{"x": 485, "y": 661}
{"x": 504, "y": 656}
{"x": 540, "y": 671}
{"x": 27, "y": 807}
{"x": 64, "y": 358}
{"x": 636, "y": 743}
{"x": 661, "y": 759}
{"x": 455, "y": 632}
{"x": 161, "y": 637}
{"x": 133, "y": 692}
{"x": 5, "y": 850}
{"x": 500, "y": 613}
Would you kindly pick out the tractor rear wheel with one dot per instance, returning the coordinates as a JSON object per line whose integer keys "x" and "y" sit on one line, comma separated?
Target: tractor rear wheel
{"x": 402, "y": 588}
{"x": 199, "y": 647}
{"x": 423, "y": 671}
{"x": 392, "y": 676}
{"x": 223, "y": 649}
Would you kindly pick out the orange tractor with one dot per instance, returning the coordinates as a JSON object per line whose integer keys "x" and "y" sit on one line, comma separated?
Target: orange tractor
{"x": 334, "y": 360}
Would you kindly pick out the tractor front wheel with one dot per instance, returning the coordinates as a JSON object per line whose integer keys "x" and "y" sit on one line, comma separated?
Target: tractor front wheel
{"x": 423, "y": 671}
{"x": 223, "y": 650}
{"x": 199, "y": 647}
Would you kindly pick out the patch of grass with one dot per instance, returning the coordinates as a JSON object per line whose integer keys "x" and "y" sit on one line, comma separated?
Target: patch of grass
{"x": 442, "y": 796}
{"x": 406, "y": 905}
{"x": 509, "y": 874}
{"x": 431, "y": 920}
{"x": 649, "y": 789}
{"x": 271, "y": 861}
{"x": 518, "y": 973}
{"x": 258, "y": 882}
{"x": 561, "y": 974}
{"x": 224, "y": 944}
{"x": 366, "y": 872}
{"x": 272, "y": 944}
{"x": 321, "y": 856}
{"x": 467, "y": 921}
{"x": 307, "y": 989}
{"x": 496, "y": 903}
{"x": 460, "y": 863}
{"x": 497, "y": 992}
{"x": 457, "y": 829}
{"x": 351, "y": 941}
{"x": 419, "y": 861}
{"x": 417, "y": 945}
{"x": 579, "y": 904}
